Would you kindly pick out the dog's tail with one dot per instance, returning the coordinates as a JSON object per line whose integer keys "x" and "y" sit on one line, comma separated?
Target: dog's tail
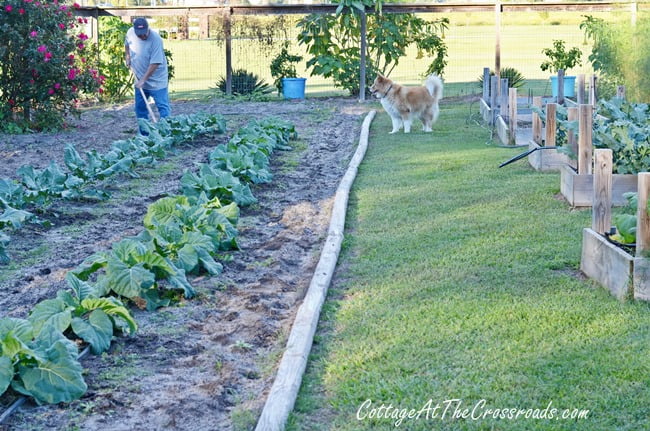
{"x": 434, "y": 85}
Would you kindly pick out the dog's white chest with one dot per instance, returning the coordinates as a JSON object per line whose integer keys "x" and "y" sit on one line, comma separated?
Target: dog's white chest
{"x": 389, "y": 108}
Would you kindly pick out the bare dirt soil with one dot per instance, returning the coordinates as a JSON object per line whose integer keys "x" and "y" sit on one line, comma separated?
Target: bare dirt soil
{"x": 206, "y": 363}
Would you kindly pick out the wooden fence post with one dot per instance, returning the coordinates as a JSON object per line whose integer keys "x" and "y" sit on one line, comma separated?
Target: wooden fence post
{"x": 486, "y": 84}
{"x": 592, "y": 90}
{"x": 537, "y": 121}
{"x": 642, "y": 217}
{"x": 494, "y": 84}
{"x": 601, "y": 221}
{"x": 227, "y": 34}
{"x": 572, "y": 142}
{"x": 551, "y": 124}
{"x": 585, "y": 150}
{"x": 503, "y": 98}
{"x": 512, "y": 115}
{"x": 580, "y": 95}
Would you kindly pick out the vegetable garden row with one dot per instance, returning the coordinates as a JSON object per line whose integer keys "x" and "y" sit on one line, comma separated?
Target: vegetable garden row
{"x": 183, "y": 235}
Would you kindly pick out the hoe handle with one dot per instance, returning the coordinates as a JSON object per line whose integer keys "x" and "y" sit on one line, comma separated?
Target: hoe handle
{"x": 144, "y": 98}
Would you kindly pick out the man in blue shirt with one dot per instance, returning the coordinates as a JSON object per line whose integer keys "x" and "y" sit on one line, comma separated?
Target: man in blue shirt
{"x": 145, "y": 55}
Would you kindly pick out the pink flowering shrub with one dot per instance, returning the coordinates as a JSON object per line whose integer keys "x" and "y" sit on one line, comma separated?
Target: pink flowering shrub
{"x": 46, "y": 64}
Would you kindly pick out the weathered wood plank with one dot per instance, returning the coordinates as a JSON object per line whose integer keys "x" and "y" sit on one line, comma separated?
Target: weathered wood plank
{"x": 601, "y": 219}
{"x": 585, "y": 143}
{"x": 607, "y": 264}
{"x": 578, "y": 189}
{"x": 642, "y": 218}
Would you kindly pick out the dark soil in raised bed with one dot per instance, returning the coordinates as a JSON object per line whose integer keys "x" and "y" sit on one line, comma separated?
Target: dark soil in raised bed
{"x": 206, "y": 363}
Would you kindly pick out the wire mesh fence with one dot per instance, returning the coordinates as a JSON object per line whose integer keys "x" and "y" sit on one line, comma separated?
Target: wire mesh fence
{"x": 473, "y": 40}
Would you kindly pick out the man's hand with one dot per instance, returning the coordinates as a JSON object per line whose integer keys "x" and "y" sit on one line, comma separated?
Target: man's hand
{"x": 140, "y": 84}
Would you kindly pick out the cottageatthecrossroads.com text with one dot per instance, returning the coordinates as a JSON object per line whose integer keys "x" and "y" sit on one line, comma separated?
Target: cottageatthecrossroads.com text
{"x": 457, "y": 409}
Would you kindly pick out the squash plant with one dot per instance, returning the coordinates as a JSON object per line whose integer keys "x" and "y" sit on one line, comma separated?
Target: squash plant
{"x": 625, "y": 222}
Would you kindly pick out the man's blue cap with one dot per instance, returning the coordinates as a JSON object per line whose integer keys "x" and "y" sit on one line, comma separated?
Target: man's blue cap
{"x": 140, "y": 26}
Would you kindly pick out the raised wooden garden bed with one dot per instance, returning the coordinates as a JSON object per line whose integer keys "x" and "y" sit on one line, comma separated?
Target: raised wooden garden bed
{"x": 625, "y": 275}
{"x": 546, "y": 159}
{"x": 499, "y": 107}
{"x": 578, "y": 187}
{"x": 550, "y": 159}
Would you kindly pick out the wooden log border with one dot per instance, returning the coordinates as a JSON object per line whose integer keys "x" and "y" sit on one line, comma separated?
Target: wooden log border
{"x": 284, "y": 391}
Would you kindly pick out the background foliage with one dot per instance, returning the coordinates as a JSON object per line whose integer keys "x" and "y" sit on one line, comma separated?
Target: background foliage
{"x": 619, "y": 56}
{"x": 333, "y": 42}
{"x": 45, "y": 64}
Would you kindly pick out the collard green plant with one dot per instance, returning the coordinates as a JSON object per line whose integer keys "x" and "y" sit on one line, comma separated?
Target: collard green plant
{"x": 333, "y": 42}
{"x": 135, "y": 271}
{"x": 86, "y": 312}
{"x": 625, "y": 222}
{"x": 190, "y": 232}
{"x": 42, "y": 365}
{"x": 624, "y": 128}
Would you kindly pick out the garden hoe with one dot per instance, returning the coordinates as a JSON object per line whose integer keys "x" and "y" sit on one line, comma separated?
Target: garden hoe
{"x": 146, "y": 101}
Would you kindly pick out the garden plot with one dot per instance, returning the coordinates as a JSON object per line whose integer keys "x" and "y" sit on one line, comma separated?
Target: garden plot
{"x": 205, "y": 363}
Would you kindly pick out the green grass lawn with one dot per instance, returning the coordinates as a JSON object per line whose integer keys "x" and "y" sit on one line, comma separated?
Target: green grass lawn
{"x": 459, "y": 280}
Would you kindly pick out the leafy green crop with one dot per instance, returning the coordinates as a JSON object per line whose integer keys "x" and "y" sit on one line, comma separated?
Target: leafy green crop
{"x": 183, "y": 235}
{"x": 626, "y": 131}
{"x": 41, "y": 364}
{"x": 37, "y": 189}
{"x": 191, "y": 232}
{"x": 134, "y": 270}
{"x": 625, "y": 223}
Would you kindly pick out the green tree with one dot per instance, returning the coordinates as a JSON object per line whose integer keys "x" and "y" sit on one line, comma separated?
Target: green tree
{"x": 619, "y": 56}
{"x": 119, "y": 80}
{"x": 333, "y": 42}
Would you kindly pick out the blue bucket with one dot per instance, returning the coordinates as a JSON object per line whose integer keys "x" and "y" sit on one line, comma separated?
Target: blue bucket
{"x": 569, "y": 86}
{"x": 293, "y": 88}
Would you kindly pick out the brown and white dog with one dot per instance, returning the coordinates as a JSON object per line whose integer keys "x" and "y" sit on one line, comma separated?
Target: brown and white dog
{"x": 403, "y": 104}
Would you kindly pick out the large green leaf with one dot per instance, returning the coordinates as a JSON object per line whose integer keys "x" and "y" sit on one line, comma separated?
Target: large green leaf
{"x": 97, "y": 330}
{"x": 57, "y": 375}
{"x": 6, "y": 373}
{"x": 129, "y": 250}
{"x": 91, "y": 264}
{"x": 625, "y": 228}
{"x": 53, "y": 312}
{"x": 14, "y": 336}
{"x": 82, "y": 289}
{"x": 163, "y": 210}
{"x": 114, "y": 308}
{"x": 14, "y": 218}
{"x": 128, "y": 281}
